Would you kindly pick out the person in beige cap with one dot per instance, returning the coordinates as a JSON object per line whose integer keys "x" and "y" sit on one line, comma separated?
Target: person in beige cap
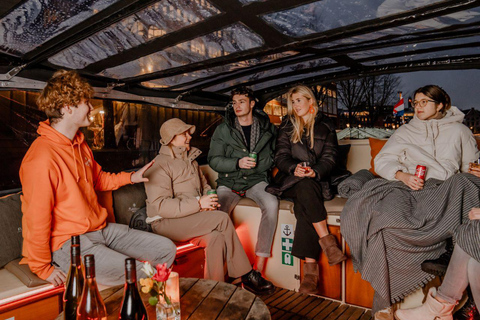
{"x": 179, "y": 208}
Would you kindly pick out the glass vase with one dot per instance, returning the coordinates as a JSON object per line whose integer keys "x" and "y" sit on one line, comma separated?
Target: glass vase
{"x": 169, "y": 309}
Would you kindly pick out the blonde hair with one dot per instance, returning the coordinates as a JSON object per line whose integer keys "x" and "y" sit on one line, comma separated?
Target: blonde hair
{"x": 298, "y": 123}
{"x": 65, "y": 88}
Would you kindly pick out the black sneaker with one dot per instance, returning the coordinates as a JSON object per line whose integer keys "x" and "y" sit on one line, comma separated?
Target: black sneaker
{"x": 254, "y": 282}
{"x": 439, "y": 266}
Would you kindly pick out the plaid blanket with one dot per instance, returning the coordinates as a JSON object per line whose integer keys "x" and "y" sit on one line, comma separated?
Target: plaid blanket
{"x": 392, "y": 229}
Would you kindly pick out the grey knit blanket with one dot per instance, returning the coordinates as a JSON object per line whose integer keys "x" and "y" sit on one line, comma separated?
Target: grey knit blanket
{"x": 354, "y": 183}
{"x": 392, "y": 229}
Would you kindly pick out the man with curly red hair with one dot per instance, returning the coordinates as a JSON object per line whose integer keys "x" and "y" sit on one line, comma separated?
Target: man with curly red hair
{"x": 59, "y": 179}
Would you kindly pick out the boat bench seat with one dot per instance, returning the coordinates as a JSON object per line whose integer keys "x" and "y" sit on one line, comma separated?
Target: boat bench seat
{"x": 21, "y": 291}
{"x": 123, "y": 205}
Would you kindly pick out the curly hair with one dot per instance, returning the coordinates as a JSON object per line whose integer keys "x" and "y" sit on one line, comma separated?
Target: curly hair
{"x": 65, "y": 88}
{"x": 243, "y": 91}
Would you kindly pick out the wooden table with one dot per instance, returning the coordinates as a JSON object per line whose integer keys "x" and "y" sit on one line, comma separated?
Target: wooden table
{"x": 200, "y": 299}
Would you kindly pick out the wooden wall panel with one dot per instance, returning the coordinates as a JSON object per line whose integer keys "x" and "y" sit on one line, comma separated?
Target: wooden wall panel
{"x": 45, "y": 309}
{"x": 190, "y": 264}
{"x": 358, "y": 291}
{"x": 331, "y": 276}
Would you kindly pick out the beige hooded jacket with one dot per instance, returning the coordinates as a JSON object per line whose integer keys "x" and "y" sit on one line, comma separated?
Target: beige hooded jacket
{"x": 445, "y": 146}
{"x": 175, "y": 184}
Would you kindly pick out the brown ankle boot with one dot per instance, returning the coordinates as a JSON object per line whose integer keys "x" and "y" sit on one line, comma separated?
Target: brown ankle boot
{"x": 332, "y": 251}
{"x": 309, "y": 283}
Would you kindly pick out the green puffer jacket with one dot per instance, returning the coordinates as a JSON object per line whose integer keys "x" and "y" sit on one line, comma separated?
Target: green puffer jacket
{"x": 227, "y": 147}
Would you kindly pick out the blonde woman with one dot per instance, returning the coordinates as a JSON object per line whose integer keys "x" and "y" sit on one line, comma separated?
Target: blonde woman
{"x": 305, "y": 155}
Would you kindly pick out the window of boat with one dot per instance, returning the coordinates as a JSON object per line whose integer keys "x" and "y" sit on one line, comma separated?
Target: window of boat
{"x": 122, "y": 135}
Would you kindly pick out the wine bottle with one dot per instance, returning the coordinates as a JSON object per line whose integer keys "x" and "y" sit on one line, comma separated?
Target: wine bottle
{"x": 91, "y": 305}
{"x": 75, "y": 240}
{"x": 74, "y": 284}
{"x": 132, "y": 306}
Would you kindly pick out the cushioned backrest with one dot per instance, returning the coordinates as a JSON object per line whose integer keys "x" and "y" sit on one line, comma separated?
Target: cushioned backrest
{"x": 210, "y": 175}
{"x": 127, "y": 200}
{"x": 375, "y": 146}
{"x": 11, "y": 228}
{"x": 359, "y": 155}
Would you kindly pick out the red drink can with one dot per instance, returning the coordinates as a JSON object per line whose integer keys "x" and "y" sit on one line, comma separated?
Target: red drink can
{"x": 421, "y": 171}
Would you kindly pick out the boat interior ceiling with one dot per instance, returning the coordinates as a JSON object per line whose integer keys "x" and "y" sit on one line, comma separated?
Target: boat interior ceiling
{"x": 192, "y": 53}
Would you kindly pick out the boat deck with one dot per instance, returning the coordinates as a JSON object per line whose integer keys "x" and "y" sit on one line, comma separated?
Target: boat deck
{"x": 287, "y": 304}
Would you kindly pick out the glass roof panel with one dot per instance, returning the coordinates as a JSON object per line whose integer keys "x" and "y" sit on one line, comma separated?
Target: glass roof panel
{"x": 235, "y": 38}
{"x": 244, "y": 2}
{"x": 217, "y": 70}
{"x": 326, "y": 15}
{"x": 153, "y": 22}
{"x": 300, "y": 77}
{"x": 37, "y": 21}
{"x": 458, "y": 18}
{"x": 430, "y": 55}
{"x": 416, "y": 46}
{"x": 274, "y": 72}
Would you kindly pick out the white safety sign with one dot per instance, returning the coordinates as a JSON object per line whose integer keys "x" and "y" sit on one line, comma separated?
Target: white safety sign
{"x": 287, "y": 259}
{"x": 287, "y": 244}
{"x": 287, "y": 231}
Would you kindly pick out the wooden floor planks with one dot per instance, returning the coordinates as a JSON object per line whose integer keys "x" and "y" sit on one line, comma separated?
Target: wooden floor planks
{"x": 289, "y": 305}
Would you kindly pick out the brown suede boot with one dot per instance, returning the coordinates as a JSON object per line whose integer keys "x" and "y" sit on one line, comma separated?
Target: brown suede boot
{"x": 309, "y": 283}
{"x": 332, "y": 251}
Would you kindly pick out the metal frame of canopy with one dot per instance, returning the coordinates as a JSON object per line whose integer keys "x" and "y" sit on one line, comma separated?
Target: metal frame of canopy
{"x": 279, "y": 61}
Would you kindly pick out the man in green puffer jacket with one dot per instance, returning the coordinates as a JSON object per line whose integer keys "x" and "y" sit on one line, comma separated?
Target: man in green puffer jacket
{"x": 245, "y": 131}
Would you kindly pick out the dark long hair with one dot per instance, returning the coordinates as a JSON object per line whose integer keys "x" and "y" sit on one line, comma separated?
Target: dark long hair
{"x": 437, "y": 94}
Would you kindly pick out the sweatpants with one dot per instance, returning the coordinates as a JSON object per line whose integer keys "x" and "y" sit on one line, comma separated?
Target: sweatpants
{"x": 112, "y": 245}
{"x": 214, "y": 231}
{"x": 463, "y": 270}
{"x": 308, "y": 208}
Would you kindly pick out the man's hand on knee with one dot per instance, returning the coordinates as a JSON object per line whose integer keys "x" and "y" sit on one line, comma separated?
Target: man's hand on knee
{"x": 57, "y": 278}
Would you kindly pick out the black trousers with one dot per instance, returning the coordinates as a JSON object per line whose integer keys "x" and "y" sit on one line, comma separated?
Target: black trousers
{"x": 309, "y": 208}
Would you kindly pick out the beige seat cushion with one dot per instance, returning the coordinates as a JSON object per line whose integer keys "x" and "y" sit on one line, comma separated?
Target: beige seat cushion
{"x": 12, "y": 289}
{"x": 22, "y": 272}
{"x": 284, "y": 204}
{"x": 333, "y": 206}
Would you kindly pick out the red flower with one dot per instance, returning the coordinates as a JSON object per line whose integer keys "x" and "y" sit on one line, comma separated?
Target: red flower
{"x": 162, "y": 273}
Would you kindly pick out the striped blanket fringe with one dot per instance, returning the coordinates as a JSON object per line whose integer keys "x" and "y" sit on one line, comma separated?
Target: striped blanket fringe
{"x": 392, "y": 229}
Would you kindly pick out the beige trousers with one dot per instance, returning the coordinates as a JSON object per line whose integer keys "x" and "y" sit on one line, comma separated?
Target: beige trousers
{"x": 214, "y": 231}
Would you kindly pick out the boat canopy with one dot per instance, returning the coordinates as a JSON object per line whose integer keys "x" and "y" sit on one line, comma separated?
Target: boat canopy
{"x": 185, "y": 53}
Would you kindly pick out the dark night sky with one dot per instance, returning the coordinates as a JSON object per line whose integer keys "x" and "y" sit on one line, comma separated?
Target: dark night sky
{"x": 463, "y": 86}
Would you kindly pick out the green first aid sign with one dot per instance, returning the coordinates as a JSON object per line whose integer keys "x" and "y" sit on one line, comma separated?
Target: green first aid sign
{"x": 287, "y": 244}
{"x": 287, "y": 258}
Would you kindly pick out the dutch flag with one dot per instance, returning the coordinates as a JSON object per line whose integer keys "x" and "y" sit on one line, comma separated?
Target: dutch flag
{"x": 399, "y": 108}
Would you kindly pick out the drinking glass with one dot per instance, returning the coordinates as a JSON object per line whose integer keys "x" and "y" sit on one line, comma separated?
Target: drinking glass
{"x": 306, "y": 166}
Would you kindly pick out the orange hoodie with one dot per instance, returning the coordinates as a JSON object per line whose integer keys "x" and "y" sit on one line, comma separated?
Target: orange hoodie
{"x": 59, "y": 178}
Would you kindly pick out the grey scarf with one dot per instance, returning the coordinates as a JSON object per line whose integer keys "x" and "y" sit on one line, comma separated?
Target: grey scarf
{"x": 254, "y": 134}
